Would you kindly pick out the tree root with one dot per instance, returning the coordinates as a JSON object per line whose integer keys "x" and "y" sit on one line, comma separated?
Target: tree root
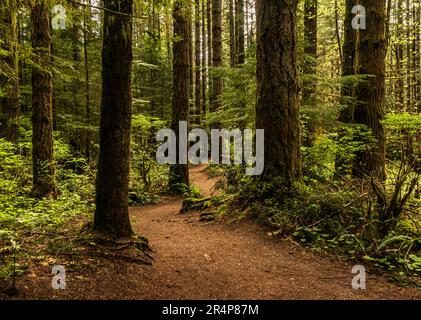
{"x": 194, "y": 204}
{"x": 136, "y": 246}
{"x": 207, "y": 216}
{"x": 112, "y": 256}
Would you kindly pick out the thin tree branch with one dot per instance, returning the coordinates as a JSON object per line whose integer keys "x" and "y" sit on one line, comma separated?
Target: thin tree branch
{"x": 106, "y": 9}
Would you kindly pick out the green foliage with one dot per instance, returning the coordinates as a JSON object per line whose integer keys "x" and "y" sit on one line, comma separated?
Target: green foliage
{"x": 146, "y": 174}
{"x": 352, "y": 140}
{"x": 152, "y": 67}
{"x": 319, "y": 160}
{"x": 328, "y": 213}
{"x": 403, "y": 121}
{"x": 198, "y": 203}
{"x": 184, "y": 190}
{"x": 336, "y": 219}
{"x": 21, "y": 215}
{"x": 239, "y": 96}
{"x": 402, "y": 132}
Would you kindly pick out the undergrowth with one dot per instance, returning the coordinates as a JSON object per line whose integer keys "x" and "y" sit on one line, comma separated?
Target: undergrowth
{"x": 22, "y": 216}
{"x": 339, "y": 215}
{"x": 32, "y": 228}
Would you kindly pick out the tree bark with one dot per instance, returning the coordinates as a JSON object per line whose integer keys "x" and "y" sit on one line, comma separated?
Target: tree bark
{"x": 42, "y": 118}
{"x": 417, "y": 70}
{"x": 217, "y": 82}
{"x": 399, "y": 90}
{"x": 112, "y": 215}
{"x": 232, "y": 31}
{"x": 77, "y": 59}
{"x": 239, "y": 27}
{"x": 9, "y": 83}
{"x": 210, "y": 59}
{"x": 189, "y": 7}
{"x": 277, "y": 89}
{"x": 347, "y": 96}
{"x": 370, "y": 94}
{"x": 310, "y": 66}
{"x": 204, "y": 58}
{"x": 310, "y": 48}
{"x": 86, "y": 33}
{"x": 350, "y": 56}
{"x": 408, "y": 58}
{"x": 198, "y": 75}
{"x": 179, "y": 173}
{"x": 338, "y": 35}
{"x": 414, "y": 64}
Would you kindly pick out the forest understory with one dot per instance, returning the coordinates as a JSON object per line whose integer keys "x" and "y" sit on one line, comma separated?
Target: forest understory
{"x": 196, "y": 259}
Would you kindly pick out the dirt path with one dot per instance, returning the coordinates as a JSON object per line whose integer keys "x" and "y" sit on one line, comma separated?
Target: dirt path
{"x": 197, "y": 260}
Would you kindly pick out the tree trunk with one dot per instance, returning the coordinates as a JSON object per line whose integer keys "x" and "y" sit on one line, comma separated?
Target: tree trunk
{"x": 414, "y": 64}
{"x": 239, "y": 26}
{"x": 408, "y": 57}
{"x": 204, "y": 65}
{"x": 42, "y": 118}
{"x": 198, "y": 75}
{"x": 179, "y": 173}
{"x": 9, "y": 83}
{"x": 168, "y": 26}
{"x": 192, "y": 58}
{"x": 350, "y": 56}
{"x": 210, "y": 59}
{"x": 112, "y": 215}
{"x": 347, "y": 96}
{"x": 310, "y": 48}
{"x": 310, "y": 66}
{"x": 77, "y": 82}
{"x": 370, "y": 94}
{"x": 399, "y": 90}
{"x": 337, "y": 32}
{"x": 217, "y": 82}
{"x": 247, "y": 23}
{"x": 86, "y": 33}
{"x": 417, "y": 70}
{"x": 232, "y": 30}
{"x": 277, "y": 89}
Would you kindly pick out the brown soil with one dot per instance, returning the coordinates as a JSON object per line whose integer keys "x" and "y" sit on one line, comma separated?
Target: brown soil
{"x": 197, "y": 260}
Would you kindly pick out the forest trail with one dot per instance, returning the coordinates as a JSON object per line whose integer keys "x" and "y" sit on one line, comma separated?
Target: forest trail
{"x": 200, "y": 260}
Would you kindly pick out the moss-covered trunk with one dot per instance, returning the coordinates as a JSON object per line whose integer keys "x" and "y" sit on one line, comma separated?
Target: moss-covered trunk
{"x": 42, "y": 114}
{"x": 198, "y": 71}
{"x": 348, "y": 64}
{"x": 310, "y": 68}
{"x": 370, "y": 94}
{"x": 111, "y": 215}
{"x": 9, "y": 78}
{"x": 217, "y": 82}
{"x": 209, "y": 49}
{"x": 204, "y": 58}
{"x": 347, "y": 97}
{"x": 179, "y": 173}
{"x": 232, "y": 32}
{"x": 277, "y": 89}
{"x": 239, "y": 32}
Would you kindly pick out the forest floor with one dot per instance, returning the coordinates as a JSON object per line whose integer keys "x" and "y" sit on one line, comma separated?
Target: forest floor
{"x": 207, "y": 260}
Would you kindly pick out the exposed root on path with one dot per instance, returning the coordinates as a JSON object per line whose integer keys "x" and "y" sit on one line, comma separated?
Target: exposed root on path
{"x": 135, "y": 249}
{"x": 194, "y": 204}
